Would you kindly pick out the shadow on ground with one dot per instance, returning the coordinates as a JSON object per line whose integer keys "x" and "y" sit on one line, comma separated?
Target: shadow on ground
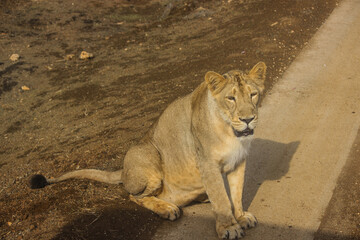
{"x": 269, "y": 160}
{"x": 115, "y": 222}
{"x": 203, "y": 227}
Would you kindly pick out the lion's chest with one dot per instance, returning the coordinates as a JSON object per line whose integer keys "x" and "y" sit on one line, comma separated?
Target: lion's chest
{"x": 232, "y": 152}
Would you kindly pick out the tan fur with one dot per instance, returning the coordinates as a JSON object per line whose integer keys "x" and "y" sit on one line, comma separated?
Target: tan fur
{"x": 193, "y": 148}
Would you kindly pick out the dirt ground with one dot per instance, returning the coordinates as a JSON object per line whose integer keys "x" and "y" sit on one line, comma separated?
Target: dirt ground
{"x": 60, "y": 113}
{"x": 341, "y": 220}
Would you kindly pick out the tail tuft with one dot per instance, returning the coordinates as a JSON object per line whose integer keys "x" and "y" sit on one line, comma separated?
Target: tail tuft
{"x": 38, "y": 181}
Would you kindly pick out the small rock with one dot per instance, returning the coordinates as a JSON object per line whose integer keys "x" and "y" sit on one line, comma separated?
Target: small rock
{"x": 199, "y": 13}
{"x": 86, "y": 55}
{"x": 25, "y": 88}
{"x": 14, "y": 57}
{"x": 169, "y": 7}
{"x": 69, "y": 56}
{"x": 32, "y": 227}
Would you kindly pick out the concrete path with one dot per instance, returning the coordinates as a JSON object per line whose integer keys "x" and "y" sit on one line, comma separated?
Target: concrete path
{"x": 308, "y": 123}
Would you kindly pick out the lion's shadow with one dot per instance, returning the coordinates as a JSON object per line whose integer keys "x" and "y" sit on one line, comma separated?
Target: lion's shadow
{"x": 268, "y": 160}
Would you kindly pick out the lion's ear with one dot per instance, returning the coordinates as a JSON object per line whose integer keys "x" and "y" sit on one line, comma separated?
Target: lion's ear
{"x": 215, "y": 82}
{"x": 257, "y": 74}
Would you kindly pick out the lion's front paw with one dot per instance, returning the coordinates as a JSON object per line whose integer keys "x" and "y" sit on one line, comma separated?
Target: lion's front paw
{"x": 229, "y": 232}
{"x": 171, "y": 212}
{"x": 248, "y": 220}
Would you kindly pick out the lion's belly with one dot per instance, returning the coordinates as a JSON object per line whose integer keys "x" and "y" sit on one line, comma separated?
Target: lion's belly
{"x": 182, "y": 187}
{"x": 187, "y": 178}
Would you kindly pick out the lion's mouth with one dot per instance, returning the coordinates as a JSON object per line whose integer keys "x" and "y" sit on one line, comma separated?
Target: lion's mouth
{"x": 243, "y": 133}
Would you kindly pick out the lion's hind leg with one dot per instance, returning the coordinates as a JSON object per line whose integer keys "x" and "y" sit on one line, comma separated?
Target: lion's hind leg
{"x": 148, "y": 199}
{"x": 161, "y": 207}
{"x": 143, "y": 179}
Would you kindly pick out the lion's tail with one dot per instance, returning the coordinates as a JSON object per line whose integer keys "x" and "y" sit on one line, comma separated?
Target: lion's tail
{"x": 39, "y": 181}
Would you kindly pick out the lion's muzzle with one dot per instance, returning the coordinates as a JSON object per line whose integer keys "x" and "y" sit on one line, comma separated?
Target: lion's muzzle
{"x": 243, "y": 133}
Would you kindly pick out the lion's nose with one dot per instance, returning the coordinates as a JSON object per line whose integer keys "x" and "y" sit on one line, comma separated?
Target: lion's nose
{"x": 247, "y": 120}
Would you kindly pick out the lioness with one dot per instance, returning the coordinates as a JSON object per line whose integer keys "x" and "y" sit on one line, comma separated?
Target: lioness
{"x": 200, "y": 141}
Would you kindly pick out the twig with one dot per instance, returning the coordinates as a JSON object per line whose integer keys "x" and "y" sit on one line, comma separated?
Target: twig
{"x": 95, "y": 219}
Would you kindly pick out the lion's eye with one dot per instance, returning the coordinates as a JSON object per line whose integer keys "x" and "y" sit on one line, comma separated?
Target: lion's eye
{"x": 254, "y": 94}
{"x": 231, "y": 98}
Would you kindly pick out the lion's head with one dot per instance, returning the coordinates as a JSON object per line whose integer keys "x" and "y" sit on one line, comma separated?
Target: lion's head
{"x": 237, "y": 96}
